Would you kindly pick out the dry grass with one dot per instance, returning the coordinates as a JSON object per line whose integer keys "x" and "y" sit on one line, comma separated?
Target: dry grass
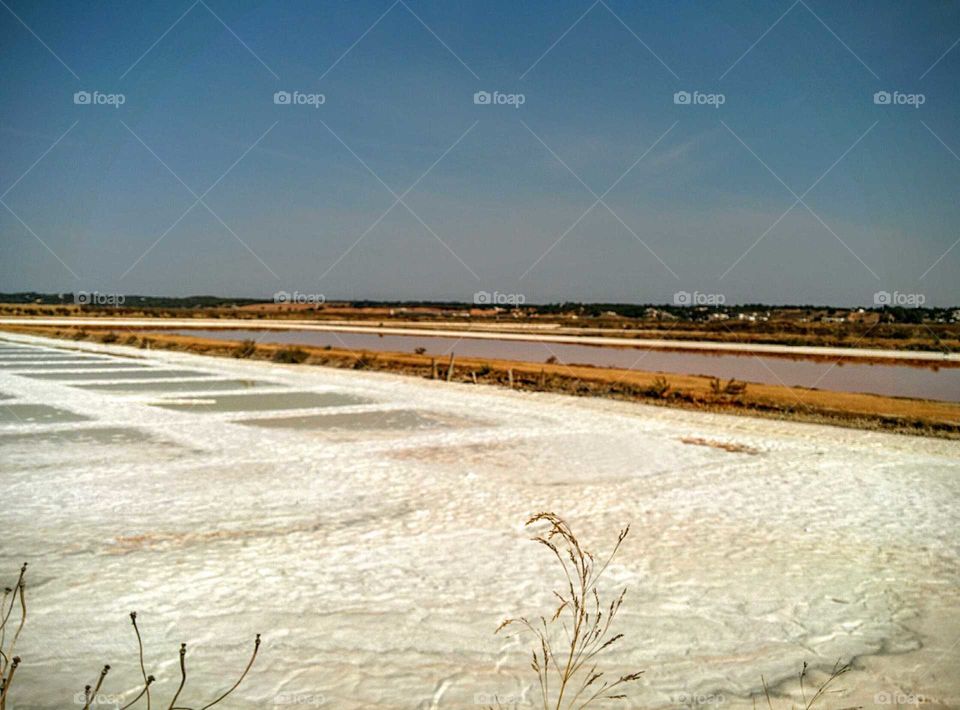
{"x": 731, "y": 388}
{"x": 291, "y": 356}
{"x": 567, "y": 672}
{"x": 9, "y": 662}
{"x": 824, "y": 688}
{"x": 245, "y": 349}
{"x": 364, "y": 361}
{"x": 659, "y": 388}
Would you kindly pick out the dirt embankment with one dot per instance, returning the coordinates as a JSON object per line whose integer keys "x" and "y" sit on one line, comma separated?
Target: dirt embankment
{"x": 864, "y": 411}
{"x": 785, "y": 326}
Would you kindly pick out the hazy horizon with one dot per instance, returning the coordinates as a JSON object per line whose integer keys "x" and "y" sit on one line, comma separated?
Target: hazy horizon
{"x": 334, "y": 299}
{"x": 603, "y": 185}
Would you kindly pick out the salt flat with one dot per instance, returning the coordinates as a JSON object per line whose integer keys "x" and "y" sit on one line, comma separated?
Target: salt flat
{"x": 373, "y": 532}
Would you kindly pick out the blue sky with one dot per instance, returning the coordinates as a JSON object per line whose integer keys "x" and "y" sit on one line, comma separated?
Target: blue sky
{"x": 503, "y": 198}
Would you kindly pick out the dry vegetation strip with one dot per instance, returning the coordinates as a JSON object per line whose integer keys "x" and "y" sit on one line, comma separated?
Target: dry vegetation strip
{"x": 785, "y": 326}
{"x": 865, "y": 411}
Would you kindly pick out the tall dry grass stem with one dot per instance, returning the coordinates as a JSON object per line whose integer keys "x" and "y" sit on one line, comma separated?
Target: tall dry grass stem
{"x": 567, "y": 671}
{"x": 838, "y": 670}
{"x": 8, "y": 661}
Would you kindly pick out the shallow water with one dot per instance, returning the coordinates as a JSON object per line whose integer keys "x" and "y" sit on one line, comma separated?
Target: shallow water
{"x": 369, "y": 422}
{"x": 176, "y": 386}
{"x": 894, "y": 380}
{"x": 377, "y": 551}
{"x": 108, "y": 446}
{"x": 262, "y": 402}
{"x": 19, "y": 356}
{"x": 141, "y": 373}
{"x": 71, "y": 364}
{"x": 16, "y": 413}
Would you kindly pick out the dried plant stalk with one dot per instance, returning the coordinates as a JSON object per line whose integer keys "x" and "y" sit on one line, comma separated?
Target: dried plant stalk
{"x": 148, "y": 680}
{"x": 568, "y": 674}
{"x": 8, "y": 661}
{"x": 838, "y": 670}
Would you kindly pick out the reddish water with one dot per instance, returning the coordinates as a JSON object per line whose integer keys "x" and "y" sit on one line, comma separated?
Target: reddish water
{"x": 894, "y": 380}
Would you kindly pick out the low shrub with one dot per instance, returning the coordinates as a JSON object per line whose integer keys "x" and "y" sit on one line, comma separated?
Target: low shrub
{"x": 732, "y": 387}
{"x": 659, "y": 388}
{"x": 363, "y": 361}
{"x": 245, "y": 349}
{"x": 292, "y": 356}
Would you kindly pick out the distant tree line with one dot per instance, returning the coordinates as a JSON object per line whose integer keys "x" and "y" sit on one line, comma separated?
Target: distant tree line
{"x": 635, "y": 311}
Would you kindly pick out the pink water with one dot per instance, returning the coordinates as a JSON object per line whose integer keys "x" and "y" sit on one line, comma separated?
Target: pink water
{"x": 893, "y": 380}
